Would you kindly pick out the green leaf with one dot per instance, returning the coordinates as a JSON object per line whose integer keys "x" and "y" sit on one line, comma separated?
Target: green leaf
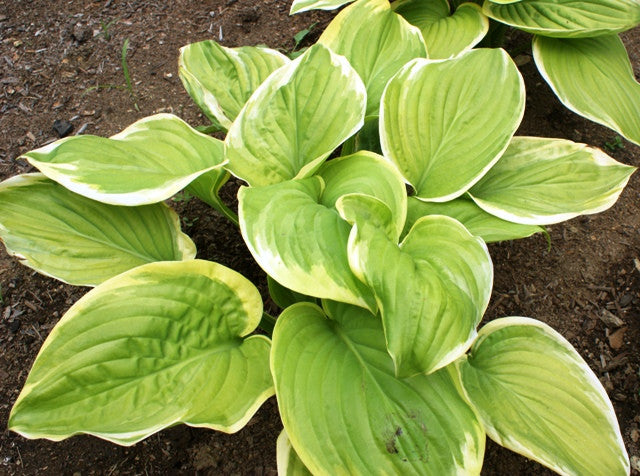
{"x": 479, "y": 223}
{"x": 536, "y": 396}
{"x": 432, "y": 290}
{"x": 345, "y": 411}
{"x": 162, "y": 344}
{"x": 444, "y": 123}
{"x": 593, "y": 77}
{"x": 299, "y": 6}
{"x": 299, "y": 241}
{"x": 80, "y": 241}
{"x": 367, "y": 138}
{"x": 296, "y": 118}
{"x": 285, "y": 297}
{"x": 540, "y": 181}
{"x": 567, "y": 18}
{"x": 446, "y": 35}
{"x": 378, "y": 51}
{"x": 289, "y": 463}
{"x": 220, "y": 80}
{"x": 147, "y": 162}
{"x": 207, "y": 188}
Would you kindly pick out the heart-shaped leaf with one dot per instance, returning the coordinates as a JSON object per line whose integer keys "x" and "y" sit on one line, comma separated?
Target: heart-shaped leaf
{"x": 446, "y": 35}
{"x": 432, "y": 290}
{"x": 296, "y": 118}
{"x": 346, "y": 412}
{"x": 593, "y": 77}
{"x": 536, "y": 396}
{"x": 221, "y": 79}
{"x": 81, "y": 241}
{"x": 479, "y": 223}
{"x": 444, "y": 123}
{"x": 162, "y": 344}
{"x": 378, "y": 51}
{"x": 147, "y": 162}
{"x": 567, "y": 18}
{"x": 540, "y": 181}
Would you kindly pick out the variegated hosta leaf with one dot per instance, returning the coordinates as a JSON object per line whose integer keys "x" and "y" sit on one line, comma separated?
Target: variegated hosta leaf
{"x": 289, "y": 463}
{"x": 347, "y": 413}
{"x": 378, "y": 51}
{"x": 593, "y": 77}
{"x": 300, "y": 242}
{"x": 296, "y": 118}
{"x": 162, "y": 344}
{"x": 221, "y": 79}
{"x": 207, "y": 188}
{"x": 81, "y": 241}
{"x": 367, "y": 138}
{"x": 536, "y": 396}
{"x": 540, "y": 181}
{"x": 432, "y": 290}
{"x": 567, "y": 18}
{"x": 299, "y": 6}
{"x": 446, "y": 35}
{"x": 444, "y": 123}
{"x": 479, "y": 223}
{"x": 366, "y": 173}
{"x": 147, "y": 162}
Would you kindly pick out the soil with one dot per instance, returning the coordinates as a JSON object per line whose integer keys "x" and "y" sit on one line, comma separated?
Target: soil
{"x": 62, "y": 61}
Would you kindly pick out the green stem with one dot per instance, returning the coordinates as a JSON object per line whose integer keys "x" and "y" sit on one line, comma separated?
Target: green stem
{"x": 267, "y": 323}
{"x": 226, "y": 211}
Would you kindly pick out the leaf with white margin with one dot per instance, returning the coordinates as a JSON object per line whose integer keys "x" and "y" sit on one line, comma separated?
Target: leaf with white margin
{"x": 378, "y": 51}
{"x": 296, "y": 118}
{"x": 432, "y": 289}
{"x": 162, "y": 344}
{"x": 220, "y": 80}
{"x": 299, "y": 6}
{"x": 479, "y": 223}
{"x": 540, "y": 181}
{"x": 347, "y": 413}
{"x": 567, "y": 18}
{"x": 80, "y": 241}
{"x": 536, "y": 396}
{"x": 366, "y": 173}
{"x": 299, "y": 241}
{"x": 446, "y": 35}
{"x": 593, "y": 77}
{"x": 444, "y": 123}
{"x": 148, "y": 162}
{"x": 289, "y": 464}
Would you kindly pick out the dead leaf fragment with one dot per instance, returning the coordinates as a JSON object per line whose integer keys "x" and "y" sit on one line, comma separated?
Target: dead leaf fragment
{"x": 610, "y": 319}
{"x": 617, "y": 338}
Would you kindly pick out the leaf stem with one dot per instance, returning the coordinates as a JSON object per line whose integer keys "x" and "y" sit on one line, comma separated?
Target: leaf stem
{"x": 267, "y": 323}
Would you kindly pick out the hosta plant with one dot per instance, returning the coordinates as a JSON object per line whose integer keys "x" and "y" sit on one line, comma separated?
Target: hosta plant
{"x": 374, "y": 177}
{"x": 575, "y": 45}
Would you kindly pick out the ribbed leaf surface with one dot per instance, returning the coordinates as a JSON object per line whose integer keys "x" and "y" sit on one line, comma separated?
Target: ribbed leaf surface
{"x": 221, "y": 79}
{"x": 345, "y": 411}
{"x": 81, "y": 241}
{"x": 289, "y": 463}
{"x": 296, "y": 118}
{"x": 299, "y": 6}
{"x": 445, "y": 123}
{"x": 159, "y": 345}
{"x": 536, "y": 396}
{"x": 593, "y": 77}
{"x": 540, "y": 181}
{"x": 148, "y": 162}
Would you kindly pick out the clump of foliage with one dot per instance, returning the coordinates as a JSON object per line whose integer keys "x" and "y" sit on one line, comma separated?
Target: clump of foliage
{"x": 376, "y": 360}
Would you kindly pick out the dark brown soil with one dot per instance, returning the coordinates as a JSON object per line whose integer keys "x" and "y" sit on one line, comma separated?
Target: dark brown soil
{"x": 58, "y": 62}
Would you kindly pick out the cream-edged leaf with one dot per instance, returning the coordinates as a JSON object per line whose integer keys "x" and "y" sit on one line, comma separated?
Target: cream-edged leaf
{"x": 299, "y": 6}
{"x": 535, "y": 395}
{"x": 345, "y": 411}
{"x": 296, "y": 118}
{"x": 289, "y": 464}
{"x": 221, "y": 79}
{"x": 593, "y": 77}
{"x": 444, "y": 123}
{"x": 567, "y": 18}
{"x": 540, "y": 181}
{"x": 147, "y": 162}
{"x": 162, "y": 344}
{"x": 378, "y": 51}
{"x": 432, "y": 290}
{"x": 80, "y": 241}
